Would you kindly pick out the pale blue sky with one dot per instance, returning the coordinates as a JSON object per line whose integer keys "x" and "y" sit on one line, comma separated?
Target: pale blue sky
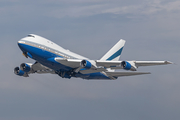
{"x": 151, "y": 29}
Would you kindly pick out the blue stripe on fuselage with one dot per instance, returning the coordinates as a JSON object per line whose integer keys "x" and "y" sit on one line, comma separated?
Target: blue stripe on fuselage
{"x": 43, "y": 56}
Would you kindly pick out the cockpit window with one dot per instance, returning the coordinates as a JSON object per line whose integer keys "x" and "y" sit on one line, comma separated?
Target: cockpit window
{"x": 30, "y": 36}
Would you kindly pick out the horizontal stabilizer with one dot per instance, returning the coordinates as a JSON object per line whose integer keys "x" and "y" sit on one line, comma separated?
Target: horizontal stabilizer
{"x": 92, "y": 70}
{"x": 120, "y": 74}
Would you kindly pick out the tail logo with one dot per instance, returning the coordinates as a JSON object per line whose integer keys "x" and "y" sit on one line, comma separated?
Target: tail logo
{"x": 116, "y": 54}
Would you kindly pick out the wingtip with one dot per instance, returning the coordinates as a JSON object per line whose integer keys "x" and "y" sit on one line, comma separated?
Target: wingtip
{"x": 169, "y": 62}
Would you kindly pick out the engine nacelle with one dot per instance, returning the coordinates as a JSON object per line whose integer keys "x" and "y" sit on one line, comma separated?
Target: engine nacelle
{"x": 19, "y": 72}
{"x": 25, "y": 67}
{"x": 86, "y": 64}
{"x": 128, "y": 66}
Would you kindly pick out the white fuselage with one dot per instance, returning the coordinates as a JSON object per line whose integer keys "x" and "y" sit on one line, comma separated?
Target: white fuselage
{"x": 47, "y": 45}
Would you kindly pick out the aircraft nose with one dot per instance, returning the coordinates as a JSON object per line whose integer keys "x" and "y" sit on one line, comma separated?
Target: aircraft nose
{"x": 21, "y": 44}
{"x": 20, "y": 41}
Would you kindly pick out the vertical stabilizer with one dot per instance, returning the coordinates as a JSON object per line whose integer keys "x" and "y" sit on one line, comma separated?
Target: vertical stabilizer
{"x": 115, "y": 52}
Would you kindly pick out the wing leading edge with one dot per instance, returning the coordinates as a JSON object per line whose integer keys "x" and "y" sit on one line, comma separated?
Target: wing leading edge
{"x": 114, "y": 64}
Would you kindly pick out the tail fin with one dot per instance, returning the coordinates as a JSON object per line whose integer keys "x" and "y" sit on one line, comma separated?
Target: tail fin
{"x": 115, "y": 52}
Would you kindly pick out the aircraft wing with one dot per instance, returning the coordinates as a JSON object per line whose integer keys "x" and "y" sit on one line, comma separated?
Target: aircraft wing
{"x": 39, "y": 68}
{"x": 151, "y": 63}
{"x": 120, "y": 74}
{"x": 117, "y": 64}
{"x": 29, "y": 68}
{"x": 108, "y": 64}
{"x": 73, "y": 63}
{"x": 102, "y": 65}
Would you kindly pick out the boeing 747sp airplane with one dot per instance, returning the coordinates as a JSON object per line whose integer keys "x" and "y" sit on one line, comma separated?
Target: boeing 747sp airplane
{"x": 51, "y": 58}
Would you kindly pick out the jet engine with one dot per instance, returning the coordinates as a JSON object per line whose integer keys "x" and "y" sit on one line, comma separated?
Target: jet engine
{"x": 86, "y": 64}
{"x": 19, "y": 72}
{"x": 26, "y": 67}
{"x": 128, "y": 65}
{"x": 23, "y": 69}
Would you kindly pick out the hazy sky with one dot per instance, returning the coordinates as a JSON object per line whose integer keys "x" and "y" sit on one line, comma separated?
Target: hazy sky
{"x": 151, "y": 29}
